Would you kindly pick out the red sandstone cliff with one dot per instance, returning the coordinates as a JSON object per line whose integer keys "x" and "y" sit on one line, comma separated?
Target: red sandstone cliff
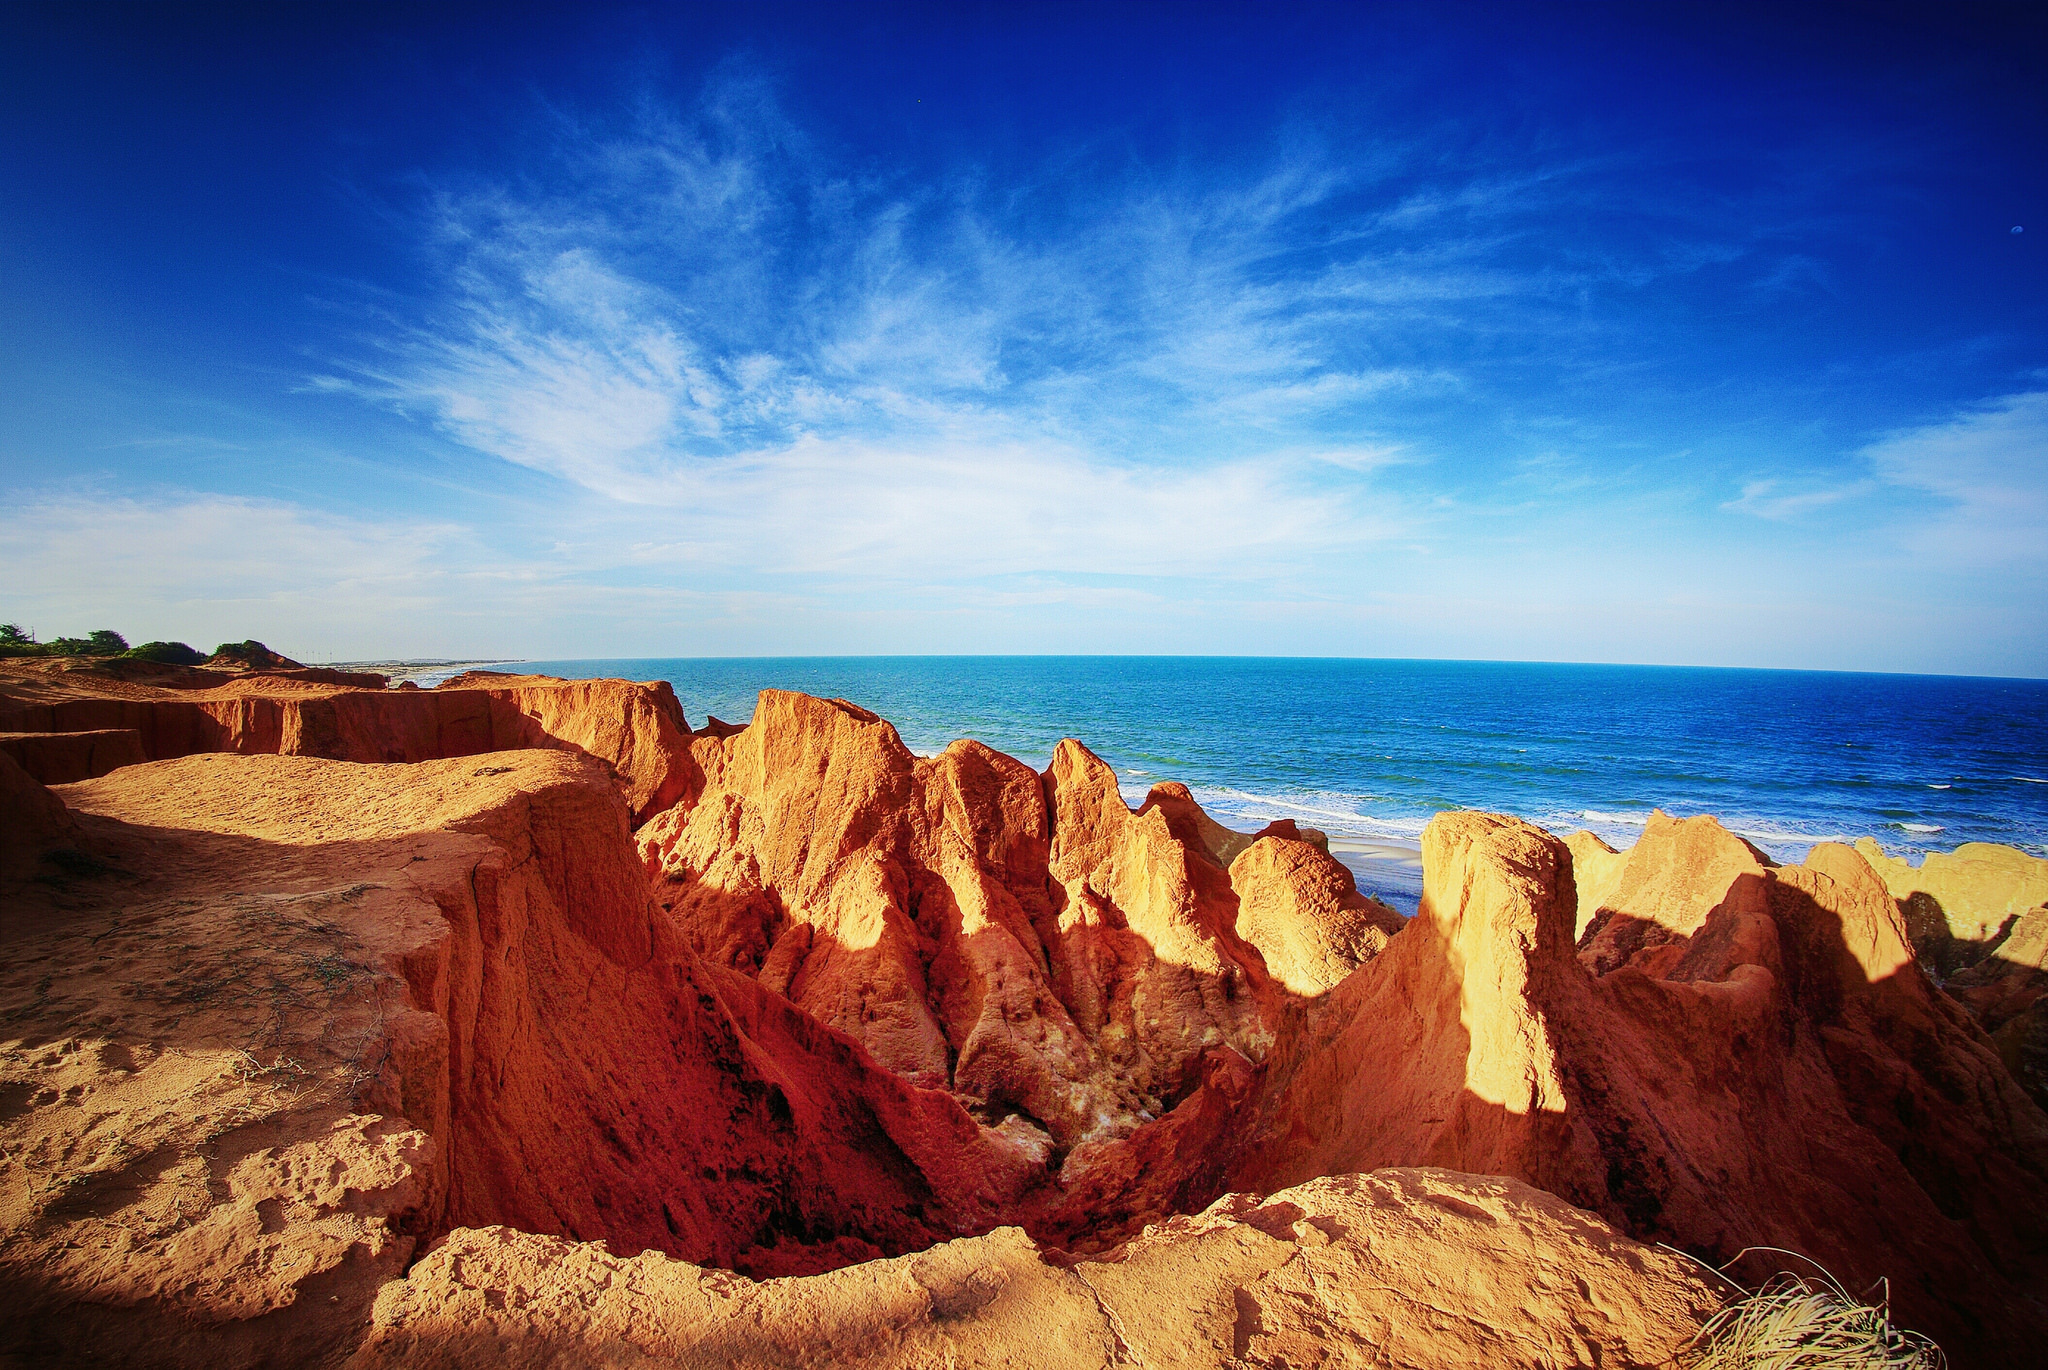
{"x": 638, "y": 730}
{"x": 844, "y": 1002}
{"x": 1027, "y": 941}
{"x": 1768, "y": 1066}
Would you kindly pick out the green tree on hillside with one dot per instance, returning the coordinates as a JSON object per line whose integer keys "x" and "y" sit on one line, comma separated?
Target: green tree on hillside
{"x": 170, "y": 653}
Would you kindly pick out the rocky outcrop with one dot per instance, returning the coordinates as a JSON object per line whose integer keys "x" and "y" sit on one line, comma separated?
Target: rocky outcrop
{"x": 330, "y": 1011}
{"x": 1026, "y": 941}
{"x": 1192, "y": 827}
{"x": 1978, "y": 917}
{"x": 1789, "y": 1033}
{"x": 1301, "y": 909}
{"x": 1416, "y": 1268}
{"x": 1958, "y": 905}
{"x": 1293, "y": 832}
{"x": 638, "y": 730}
{"x": 297, "y": 1018}
{"x": 1643, "y": 909}
{"x": 1596, "y": 867}
{"x": 277, "y": 1029}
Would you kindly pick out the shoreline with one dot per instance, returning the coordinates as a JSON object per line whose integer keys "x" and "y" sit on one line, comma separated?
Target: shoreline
{"x": 1909, "y": 827}
{"x": 414, "y": 670}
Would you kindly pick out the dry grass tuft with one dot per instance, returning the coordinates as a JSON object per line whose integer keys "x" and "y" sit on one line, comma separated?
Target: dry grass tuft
{"x": 1794, "y": 1323}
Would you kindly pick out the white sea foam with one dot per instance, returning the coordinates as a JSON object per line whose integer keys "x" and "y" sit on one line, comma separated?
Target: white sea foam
{"x": 1341, "y": 815}
{"x": 1781, "y": 842}
{"x": 2029, "y": 780}
{"x": 1768, "y": 835}
{"x": 1625, "y": 820}
{"x": 1941, "y": 787}
{"x": 1921, "y": 827}
{"x": 1392, "y": 852}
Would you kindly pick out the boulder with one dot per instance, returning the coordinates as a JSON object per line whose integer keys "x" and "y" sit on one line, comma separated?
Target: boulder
{"x": 1301, "y": 909}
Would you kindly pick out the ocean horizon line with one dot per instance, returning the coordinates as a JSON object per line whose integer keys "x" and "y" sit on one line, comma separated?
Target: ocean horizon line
{"x": 428, "y": 662}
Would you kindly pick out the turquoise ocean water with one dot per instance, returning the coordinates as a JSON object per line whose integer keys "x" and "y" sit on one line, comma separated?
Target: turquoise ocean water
{"x": 1368, "y": 750}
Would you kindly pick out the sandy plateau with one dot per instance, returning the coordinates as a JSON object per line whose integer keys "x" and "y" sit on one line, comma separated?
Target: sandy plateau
{"x": 516, "y": 1022}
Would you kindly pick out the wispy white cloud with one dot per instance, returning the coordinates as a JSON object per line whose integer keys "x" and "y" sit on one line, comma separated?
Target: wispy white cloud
{"x": 1785, "y": 501}
{"x": 1984, "y": 474}
{"x": 851, "y": 400}
{"x": 708, "y": 304}
{"x": 855, "y": 512}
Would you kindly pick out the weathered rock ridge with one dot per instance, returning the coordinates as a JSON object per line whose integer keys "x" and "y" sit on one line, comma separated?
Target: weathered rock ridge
{"x": 1758, "y": 1061}
{"x": 67, "y": 721}
{"x": 1978, "y": 917}
{"x": 305, "y": 1059}
{"x": 1027, "y": 941}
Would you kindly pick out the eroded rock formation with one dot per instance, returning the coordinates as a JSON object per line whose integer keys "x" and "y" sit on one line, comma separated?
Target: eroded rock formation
{"x": 330, "y": 1009}
{"x": 308, "y": 1060}
{"x": 1978, "y": 917}
{"x": 637, "y": 729}
{"x": 1026, "y": 941}
{"x": 1301, "y": 909}
{"x": 1768, "y": 1022}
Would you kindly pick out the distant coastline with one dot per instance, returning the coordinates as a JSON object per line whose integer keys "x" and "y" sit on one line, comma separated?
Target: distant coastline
{"x": 1369, "y": 750}
{"x": 415, "y": 670}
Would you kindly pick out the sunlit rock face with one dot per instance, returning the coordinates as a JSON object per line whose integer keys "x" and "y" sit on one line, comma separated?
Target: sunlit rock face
{"x": 1023, "y": 940}
{"x": 1773, "y": 1022}
{"x": 123, "y": 712}
{"x": 835, "y": 1011}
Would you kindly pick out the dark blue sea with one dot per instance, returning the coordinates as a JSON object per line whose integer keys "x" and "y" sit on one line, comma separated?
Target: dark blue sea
{"x": 1368, "y": 750}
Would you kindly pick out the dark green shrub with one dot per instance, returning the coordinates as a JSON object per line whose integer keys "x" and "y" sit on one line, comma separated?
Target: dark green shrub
{"x": 106, "y": 642}
{"x": 170, "y": 653}
{"x": 252, "y": 654}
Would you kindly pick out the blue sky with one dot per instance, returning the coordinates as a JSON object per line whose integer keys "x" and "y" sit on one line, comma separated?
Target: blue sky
{"x": 1625, "y": 333}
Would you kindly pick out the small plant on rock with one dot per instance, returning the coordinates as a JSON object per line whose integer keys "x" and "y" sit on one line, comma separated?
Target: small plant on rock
{"x": 1793, "y": 1323}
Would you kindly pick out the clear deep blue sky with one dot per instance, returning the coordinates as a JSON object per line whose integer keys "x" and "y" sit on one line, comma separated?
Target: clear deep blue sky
{"x": 1660, "y": 333}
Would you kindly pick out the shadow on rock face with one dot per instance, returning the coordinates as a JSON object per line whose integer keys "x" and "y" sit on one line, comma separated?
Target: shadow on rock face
{"x": 373, "y": 1004}
{"x": 1781, "y": 1074}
